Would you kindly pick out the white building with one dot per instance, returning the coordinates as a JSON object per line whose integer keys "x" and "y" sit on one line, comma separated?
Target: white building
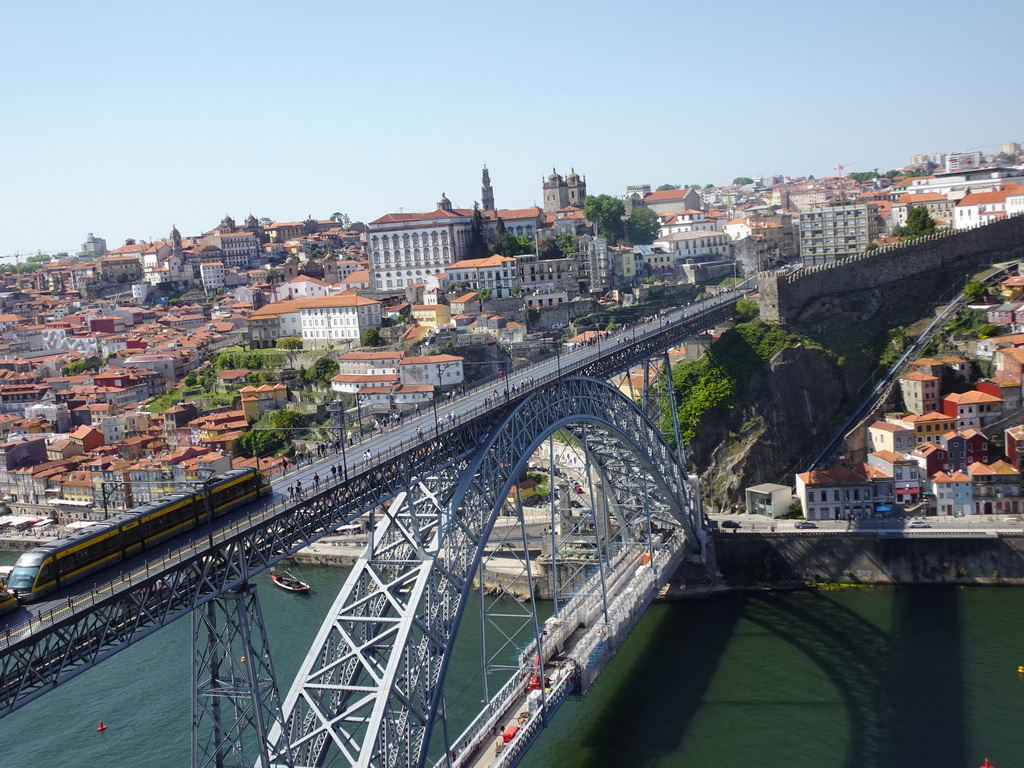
{"x": 337, "y": 318}
{"x": 403, "y": 248}
{"x": 436, "y": 370}
{"x": 494, "y": 273}
{"x": 695, "y": 243}
{"x": 212, "y": 275}
{"x": 686, "y": 221}
{"x": 980, "y": 208}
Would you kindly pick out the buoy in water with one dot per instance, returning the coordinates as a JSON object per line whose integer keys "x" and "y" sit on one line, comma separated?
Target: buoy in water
{"x": 101, "y": 726}
{"x": 1020, "y": 669}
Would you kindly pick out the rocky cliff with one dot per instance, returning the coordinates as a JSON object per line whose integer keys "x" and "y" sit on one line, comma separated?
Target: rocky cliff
{"x": 781, "y": 414}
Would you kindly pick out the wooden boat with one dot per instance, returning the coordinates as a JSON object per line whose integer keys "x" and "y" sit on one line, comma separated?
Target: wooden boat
{"x": 285, "y": 580}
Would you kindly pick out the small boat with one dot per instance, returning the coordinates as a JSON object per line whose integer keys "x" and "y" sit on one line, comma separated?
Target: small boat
{"x": 285, "y": 580}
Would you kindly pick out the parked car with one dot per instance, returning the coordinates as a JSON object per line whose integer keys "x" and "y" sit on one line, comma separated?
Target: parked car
{"x": 919, "y": 524}
{"x": 730, "y": 524}
{"x": 805, "y": 524}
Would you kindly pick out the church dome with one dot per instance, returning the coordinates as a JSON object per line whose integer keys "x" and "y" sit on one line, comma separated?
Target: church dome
{"x": 554, "y": 176}
{"x": 572, "y": 175}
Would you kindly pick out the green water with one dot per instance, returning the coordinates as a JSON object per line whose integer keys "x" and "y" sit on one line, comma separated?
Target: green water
{"x": 903, "y": 677}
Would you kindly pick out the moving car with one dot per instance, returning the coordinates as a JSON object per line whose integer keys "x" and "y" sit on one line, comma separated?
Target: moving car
{"x": 730, "y": 524}
{"x": 805, "y": 524}
{"x": 919, "y": 524}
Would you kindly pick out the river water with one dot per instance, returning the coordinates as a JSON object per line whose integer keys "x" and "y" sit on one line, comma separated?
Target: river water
{"x": 917, "y": 677}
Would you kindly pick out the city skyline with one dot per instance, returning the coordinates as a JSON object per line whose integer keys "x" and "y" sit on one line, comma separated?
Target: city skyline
{"x": 127, "y": 120}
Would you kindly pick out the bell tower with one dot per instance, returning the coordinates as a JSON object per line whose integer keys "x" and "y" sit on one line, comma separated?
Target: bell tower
{"x": 486, "y": 193}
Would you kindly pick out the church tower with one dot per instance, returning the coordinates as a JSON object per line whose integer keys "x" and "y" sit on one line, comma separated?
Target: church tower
{"x": 175, "y": 241}
{"x": 556, "y": 193}
{"x": 486, "y": 193}
{"x": 444, "y": 204}
{"x": 577, "y": 188}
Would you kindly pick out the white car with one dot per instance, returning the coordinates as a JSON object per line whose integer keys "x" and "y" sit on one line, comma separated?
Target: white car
{"x": 918, "y": 524}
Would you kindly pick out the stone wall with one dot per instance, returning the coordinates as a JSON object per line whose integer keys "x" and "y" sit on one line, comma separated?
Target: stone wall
{"x": 867, "y": 558}
{"x": 939, "y": 261}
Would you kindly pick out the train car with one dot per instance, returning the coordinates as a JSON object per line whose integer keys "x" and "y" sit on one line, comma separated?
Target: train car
{"x": 45, "y": 569}
{"x": 8, "y": 602}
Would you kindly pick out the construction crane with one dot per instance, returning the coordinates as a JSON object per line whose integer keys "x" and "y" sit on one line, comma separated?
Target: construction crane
{"x": 839, "y": 175}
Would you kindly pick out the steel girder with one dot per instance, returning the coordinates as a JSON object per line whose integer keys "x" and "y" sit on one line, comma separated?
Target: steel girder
{"x": 235, "y": 700}
{"x": 370, "y": 688}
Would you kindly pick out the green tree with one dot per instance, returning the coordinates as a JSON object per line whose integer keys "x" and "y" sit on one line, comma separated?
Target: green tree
{"x": 81, "y": 366}
{"x": 746, "y": 309}
{"x": 606, "y": 212}
{"x": 547, "y": 248}
{"x": 861, "y": 176}
{"x": 667, "y": 188}
{"x": 891, "y": 174}
{"x": 322, "y": 371}
{"x": 919, "y": 224}
{"x": 272, "y": 432}
{"x": 742, "y": 180}
{"x": 987, "y": 330}
{"x": 485, "y": 294}
{"x": 121, "y": 277}
{"x": 643, "y": 226}
{"x": 514, "y": 246}
{"x": 371, "y": 338}
{"x": 289, "y": 342}
{"x": 477, "y": 247}
{"x": 568, "y": 243}
{"x": 976, "y": 291}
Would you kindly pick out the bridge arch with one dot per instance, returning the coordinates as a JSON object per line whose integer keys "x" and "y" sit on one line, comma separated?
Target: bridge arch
{"x": 372, "y": 686}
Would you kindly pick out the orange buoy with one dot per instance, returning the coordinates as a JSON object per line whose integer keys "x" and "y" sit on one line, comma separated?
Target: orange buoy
{"x": 101, "y": 726}
{"x": 986, "y": 764}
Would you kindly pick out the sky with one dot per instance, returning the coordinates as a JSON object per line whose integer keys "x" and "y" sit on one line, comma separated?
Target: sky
{"x": 124, "y": 119}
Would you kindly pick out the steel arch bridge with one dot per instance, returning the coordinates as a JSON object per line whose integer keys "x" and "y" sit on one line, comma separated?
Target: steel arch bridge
{"x": 206, "y": 573}
{"x": 371, "y": 687}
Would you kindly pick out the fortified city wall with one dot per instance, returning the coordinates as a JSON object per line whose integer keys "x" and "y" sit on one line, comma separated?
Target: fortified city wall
{"x": 858, "y": 286}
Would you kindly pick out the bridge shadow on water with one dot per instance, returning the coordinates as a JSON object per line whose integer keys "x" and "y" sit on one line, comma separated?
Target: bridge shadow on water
{"x": 894, "y": 713}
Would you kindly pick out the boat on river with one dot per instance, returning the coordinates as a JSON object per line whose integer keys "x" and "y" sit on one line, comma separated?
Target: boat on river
{"x": 287, "y": 581}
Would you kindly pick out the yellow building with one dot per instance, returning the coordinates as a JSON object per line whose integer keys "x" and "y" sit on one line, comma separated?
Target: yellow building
{"x": 432, "y": 315}
{"x": 256, "y": 401}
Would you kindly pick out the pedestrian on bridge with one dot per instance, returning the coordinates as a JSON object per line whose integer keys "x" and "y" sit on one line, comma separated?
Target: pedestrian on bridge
{"x": 316, "y": 480}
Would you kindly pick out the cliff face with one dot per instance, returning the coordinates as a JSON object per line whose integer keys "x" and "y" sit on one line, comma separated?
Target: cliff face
{"x": 782, "y": 414}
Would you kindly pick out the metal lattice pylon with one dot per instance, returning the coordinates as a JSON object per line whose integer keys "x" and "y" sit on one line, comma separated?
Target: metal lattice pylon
{"x": 235, "y": 700}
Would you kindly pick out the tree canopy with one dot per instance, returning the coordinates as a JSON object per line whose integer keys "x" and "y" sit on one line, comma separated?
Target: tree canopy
{"x": 272, "y": 432}
{"x": 478, "y": 246}
{"x": 919, "y": 224}
{"x": 861, "y": 176}
{"x": 289, "y": 342}
{"x": 742, "y": 180}
{"x": 667, "y": 188}
{"x": 606, "y": 212}
{"x": 643, "y": 226}
{"x": 322, "y": 371}
{"x": 371, "y": 338}
{"x": 976, "y": 290}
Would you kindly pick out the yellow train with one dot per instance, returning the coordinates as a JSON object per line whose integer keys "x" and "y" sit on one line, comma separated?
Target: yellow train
{"x": 50, "y": 567}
